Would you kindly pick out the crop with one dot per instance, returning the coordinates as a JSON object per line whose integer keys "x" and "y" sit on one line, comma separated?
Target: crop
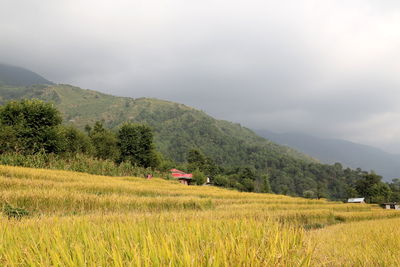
{"x": 78, "y": 219}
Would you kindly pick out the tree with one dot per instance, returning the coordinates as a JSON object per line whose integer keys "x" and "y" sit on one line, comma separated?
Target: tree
{"x": 8, "y": 139}
{"x": 75, "y": 141}
{"x": 221, "y": 180}
{"x": 34, "y": 124}
{"x": 105, "y": 142}
{"x": 197, "y": 160}
{"x": 135, "y": 143}
{"x": 198, "y": 177}
{"x": 261, "y": 184}
{"x": 371, "y": 187}
{"x": 266, "y": 184}
{"x": 395, "y": 188}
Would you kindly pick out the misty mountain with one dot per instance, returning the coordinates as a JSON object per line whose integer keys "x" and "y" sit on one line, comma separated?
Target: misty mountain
{"x": 177, "y": 127}
{"x": 17, "y": 76}
{"x": 349, "y": 154}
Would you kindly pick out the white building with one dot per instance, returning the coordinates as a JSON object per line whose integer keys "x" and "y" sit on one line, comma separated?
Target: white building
{"x": 356, "y": 200}
{"x": 391, "y": 206}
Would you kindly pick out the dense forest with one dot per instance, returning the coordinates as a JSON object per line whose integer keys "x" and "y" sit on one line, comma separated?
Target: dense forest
{"x": 32, "y": 127}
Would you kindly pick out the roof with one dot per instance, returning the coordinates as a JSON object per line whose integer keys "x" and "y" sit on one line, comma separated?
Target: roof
{"x": 184, "y": 175}
{"x": 180, "y": 174}
{"x": 356, "y": 200}
{"x": 176, "y": 171}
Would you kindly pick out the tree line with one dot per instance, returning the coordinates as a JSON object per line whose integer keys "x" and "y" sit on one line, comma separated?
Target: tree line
{"x": 32, "y": 126}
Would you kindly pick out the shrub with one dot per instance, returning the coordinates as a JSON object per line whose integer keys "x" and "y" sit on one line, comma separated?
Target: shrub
{"x": 14, "y": 212}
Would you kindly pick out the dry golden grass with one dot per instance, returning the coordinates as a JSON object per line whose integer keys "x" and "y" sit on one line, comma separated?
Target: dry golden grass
{"x": 79, "y": 219}
{"x": 367, "y": 243}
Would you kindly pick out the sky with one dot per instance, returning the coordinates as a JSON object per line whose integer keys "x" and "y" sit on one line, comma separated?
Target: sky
{"x": 326, "y": 68}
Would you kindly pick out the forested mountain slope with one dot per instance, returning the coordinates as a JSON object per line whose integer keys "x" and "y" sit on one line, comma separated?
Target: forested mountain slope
{"x": 246, "y": 159}
{"x": 177, "y": 127}
{"x": 347, "y": 153}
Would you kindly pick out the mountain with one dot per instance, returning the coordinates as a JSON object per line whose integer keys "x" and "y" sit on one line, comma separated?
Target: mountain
{"x": 17, "y": 76}
{"x": 349, "y": 154}
{"x": 177, "y": 127}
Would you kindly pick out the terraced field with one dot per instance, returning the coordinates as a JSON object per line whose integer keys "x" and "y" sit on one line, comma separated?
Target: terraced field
{"x": 77, "y": 219}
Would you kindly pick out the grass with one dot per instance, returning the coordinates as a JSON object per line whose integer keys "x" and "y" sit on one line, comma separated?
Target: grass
{"x": 79, "y": 219}
{"x": 367, "y": 243}
{"x": 76, "y": 162}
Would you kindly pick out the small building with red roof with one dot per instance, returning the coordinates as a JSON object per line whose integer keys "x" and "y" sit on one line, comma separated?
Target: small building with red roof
{"x": 183, "y": 178}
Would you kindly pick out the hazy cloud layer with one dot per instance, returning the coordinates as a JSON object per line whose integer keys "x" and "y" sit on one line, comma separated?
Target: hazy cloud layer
{"x": 328, "y": 68}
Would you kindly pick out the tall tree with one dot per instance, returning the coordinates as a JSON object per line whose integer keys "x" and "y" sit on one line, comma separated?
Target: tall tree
{"x": 104, "y": 141}
{"x": 34, "y": 125}
{"x": 372, "y": 188}
{"x": 135, "y": 143}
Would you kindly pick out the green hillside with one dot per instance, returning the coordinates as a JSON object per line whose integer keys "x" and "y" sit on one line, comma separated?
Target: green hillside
{"x": 243, "y": 157}
{"x": 177, "y": 127}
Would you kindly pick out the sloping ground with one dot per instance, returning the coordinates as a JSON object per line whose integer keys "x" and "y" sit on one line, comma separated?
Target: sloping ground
{"x": 80, "y": 219}
{"x": 349, "y": 154}
{"x": 177, "y": 127}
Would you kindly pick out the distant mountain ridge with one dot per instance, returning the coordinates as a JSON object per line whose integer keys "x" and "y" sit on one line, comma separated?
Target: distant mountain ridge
{"x": 17, "y": 76}
{"x": 178, "y": 128}
{"x": 349, "y": 154}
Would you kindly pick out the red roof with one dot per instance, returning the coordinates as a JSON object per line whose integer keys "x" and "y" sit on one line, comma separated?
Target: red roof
{"x": 180, "y": 174}
{"x": 176, "y": 171}
{"x": 185, "y": 175}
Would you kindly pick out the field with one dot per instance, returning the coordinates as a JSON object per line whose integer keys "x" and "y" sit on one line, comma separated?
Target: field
{"x": 78, "y": 219}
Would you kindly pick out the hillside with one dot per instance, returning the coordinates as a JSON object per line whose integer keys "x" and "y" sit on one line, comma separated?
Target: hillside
{"x": 177, "y": 127}
{"x": 17, "y": 76}
{"x": 349, "y": 154}
{"x": 246, "y": 160}
{"x": 75, "y": 219}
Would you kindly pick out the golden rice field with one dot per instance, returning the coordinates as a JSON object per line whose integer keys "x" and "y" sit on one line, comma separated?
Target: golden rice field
{"x": 77, "y": 219}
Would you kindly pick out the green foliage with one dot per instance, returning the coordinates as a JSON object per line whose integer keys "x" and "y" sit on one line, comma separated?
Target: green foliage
{"x": 77, "y": 162}
{"x": 261, "y": 184}
{"x": 34, "y": 125}
{"x": 199, "y": 178}
{"x": 8, "y": 139}
{"x": 14, "y": 212}
{"x": 197, "y": 160}
{"x": 222, "y": 149}
{"x": 76, "y": 141}
{"x": 221, "y": 180}
{"x": 104, "y": 141}
{"x": 136, "y": 145}
{"x": 308, "y": 194}
{"x": 372, "y": 188}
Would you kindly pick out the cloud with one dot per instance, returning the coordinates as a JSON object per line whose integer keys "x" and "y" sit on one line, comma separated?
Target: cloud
{"x": 328, "y": 68}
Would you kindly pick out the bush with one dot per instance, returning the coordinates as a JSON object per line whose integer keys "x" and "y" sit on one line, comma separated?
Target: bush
{"x": 34, "y": 125}
{"x": 308, "y": 194}
{"x": 221, "y": 180}
{"x": 199, "y": 178}
{"x": 13, "y": 212}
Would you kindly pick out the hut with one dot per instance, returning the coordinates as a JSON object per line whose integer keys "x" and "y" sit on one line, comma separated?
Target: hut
{"x": 391, "y": 206}
{"x": 183, "y": 178}
{"x": 356, "y": 200}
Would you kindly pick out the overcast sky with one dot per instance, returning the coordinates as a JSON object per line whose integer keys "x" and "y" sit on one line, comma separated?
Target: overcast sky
{"x": 327, "y": 68}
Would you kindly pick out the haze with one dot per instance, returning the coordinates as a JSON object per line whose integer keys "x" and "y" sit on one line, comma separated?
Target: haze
{"x": 326, "y": 68}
